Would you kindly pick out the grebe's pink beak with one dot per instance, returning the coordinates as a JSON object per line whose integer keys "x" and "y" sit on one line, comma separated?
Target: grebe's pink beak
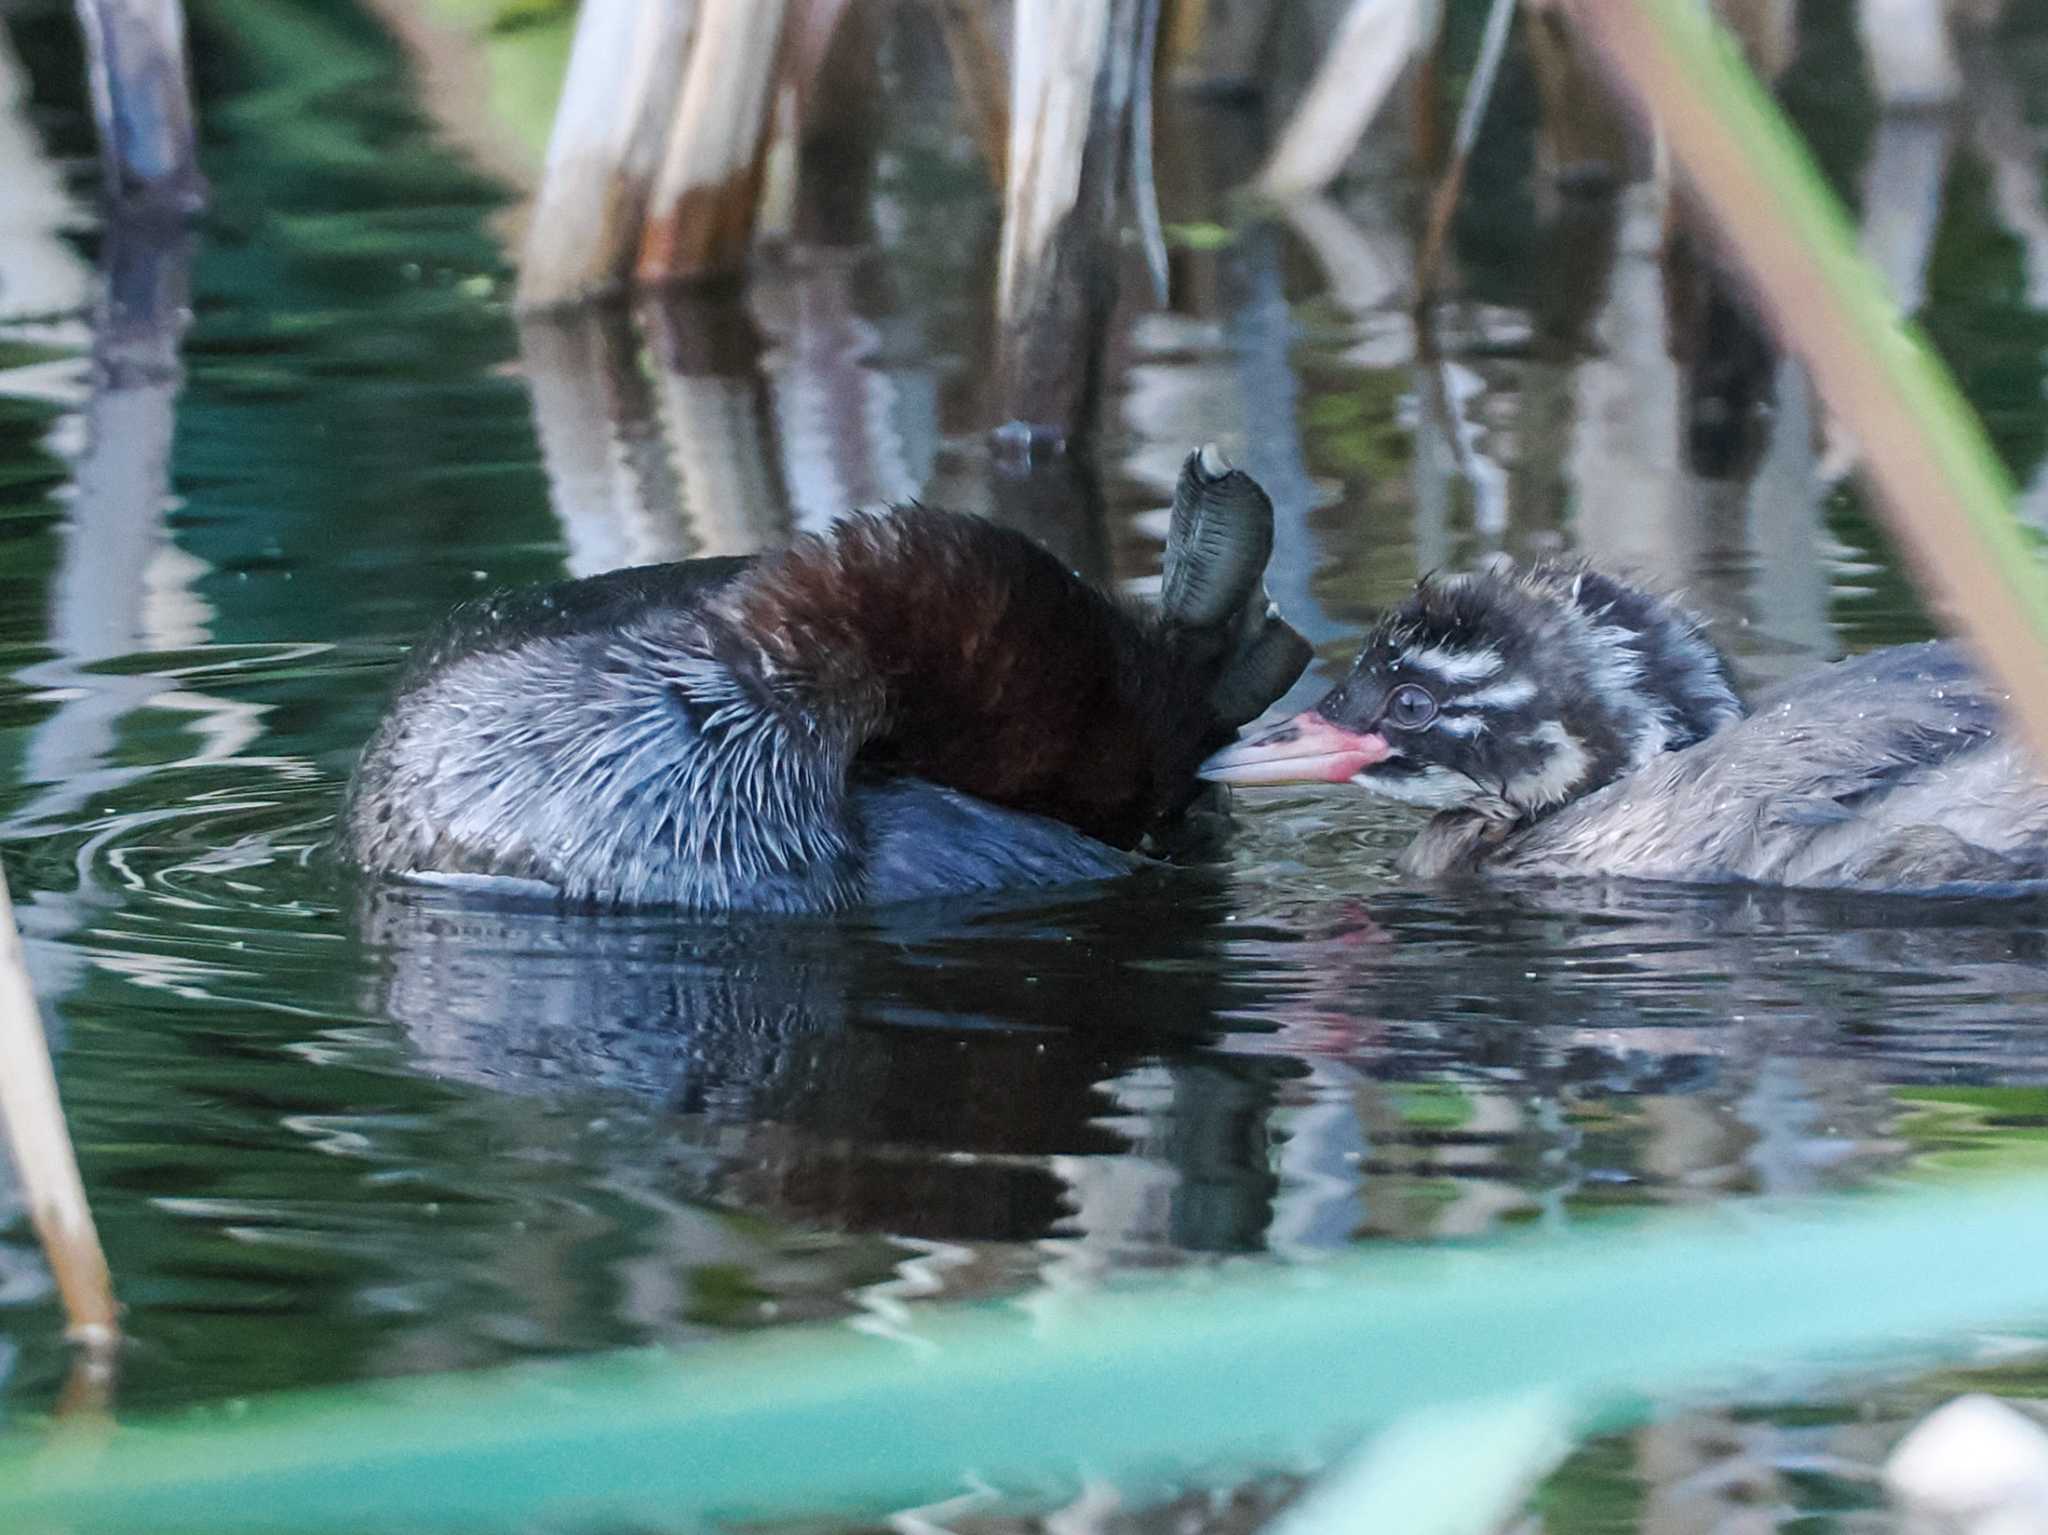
{"x": 1304, "y": 749}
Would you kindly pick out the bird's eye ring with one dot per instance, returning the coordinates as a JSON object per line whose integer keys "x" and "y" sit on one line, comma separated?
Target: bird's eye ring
{"x": 1410, "y": 707}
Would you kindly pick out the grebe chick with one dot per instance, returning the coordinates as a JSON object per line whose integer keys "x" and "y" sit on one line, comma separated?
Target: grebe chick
{"x": 1564, "y": 723}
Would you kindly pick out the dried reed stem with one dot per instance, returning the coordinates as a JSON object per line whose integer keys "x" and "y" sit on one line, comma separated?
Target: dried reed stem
{"x": 1076, "y": 73}
{"x": 142, "y": 100}
{"x": 33, "y": 1118}
{"x": 1470, "y": 116}
{"x": 618, "y": 100}
{"x": 980, "y": 79}
{"x": 1372, "y": 46}
{"x": 701, "y": 224}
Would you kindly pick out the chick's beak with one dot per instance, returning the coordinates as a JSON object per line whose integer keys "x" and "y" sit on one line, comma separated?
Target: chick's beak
{"x": 1305, "y": 749}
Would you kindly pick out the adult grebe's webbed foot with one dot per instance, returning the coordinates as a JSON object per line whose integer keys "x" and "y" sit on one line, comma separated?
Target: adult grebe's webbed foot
{"x": 1268, "y": 657}
{"x": 1213, "y": 592}
{"x": 1217, "y": 544}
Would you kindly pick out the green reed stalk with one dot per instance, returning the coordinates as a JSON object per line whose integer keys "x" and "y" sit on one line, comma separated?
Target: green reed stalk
{"x": 1199, "y": 1374}
{"x": 33, "y": 1118}
{"x": 1943, "y": 493}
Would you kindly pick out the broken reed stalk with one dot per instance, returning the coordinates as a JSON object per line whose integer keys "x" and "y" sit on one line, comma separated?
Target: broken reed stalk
{"x": 1138, "y": 173}
{"x": 833, "y": 56}
{"x": 33, "y": 1117}
{"x": 701, "y": 222}
{"x": 618, "y": 100}
{"x": 1056, "y": 56}
{"x": 142, "y": 101}
{"x": 813, "y": 27}
{"x": 979, "y": 79}
{"x": 1942, "y": 490}
{"x": 816, "y": 176}
{"x": 1075, "y": 68}
{"x": 1372, "y": 46}
{"x": 1217, "y": 47}
{"x": 1471, "y": 115}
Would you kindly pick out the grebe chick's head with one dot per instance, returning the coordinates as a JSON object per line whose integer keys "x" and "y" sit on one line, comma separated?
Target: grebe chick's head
{"x": 1510, "y": 691}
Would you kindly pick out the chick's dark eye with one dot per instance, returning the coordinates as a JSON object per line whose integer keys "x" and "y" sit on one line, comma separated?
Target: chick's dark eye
{"x": 1410, "y": 707}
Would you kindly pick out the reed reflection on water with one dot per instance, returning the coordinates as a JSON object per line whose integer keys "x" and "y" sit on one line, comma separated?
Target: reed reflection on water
{"x": 336, "y": 1132}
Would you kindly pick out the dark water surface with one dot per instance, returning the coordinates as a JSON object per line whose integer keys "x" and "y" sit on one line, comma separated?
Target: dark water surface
{"x": 337, "y": 1132}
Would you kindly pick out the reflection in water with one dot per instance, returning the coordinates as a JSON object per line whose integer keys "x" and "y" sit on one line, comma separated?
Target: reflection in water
{"x": 120, "y": 586}
{"x": 958, "y": 1079}
{"x": 765, "y": 415}
{"x": 855, "y": 428}
{"x": 912, "y": 1077}
{"x": 715, "y": 417}
{"x": 1057, "y": 498}
{"x": 1260, "y": 332}
{"x": 613, "y": 487}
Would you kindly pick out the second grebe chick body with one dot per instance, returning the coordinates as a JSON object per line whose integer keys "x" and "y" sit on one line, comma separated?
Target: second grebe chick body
{"x": 1565, "y": 723}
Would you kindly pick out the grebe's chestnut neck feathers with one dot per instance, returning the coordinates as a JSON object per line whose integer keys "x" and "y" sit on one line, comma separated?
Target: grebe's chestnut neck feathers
{"x": 939, "y": 647}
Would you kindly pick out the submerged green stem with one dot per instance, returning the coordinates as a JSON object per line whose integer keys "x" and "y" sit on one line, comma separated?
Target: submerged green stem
{"x": 1202, "y": 1373}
